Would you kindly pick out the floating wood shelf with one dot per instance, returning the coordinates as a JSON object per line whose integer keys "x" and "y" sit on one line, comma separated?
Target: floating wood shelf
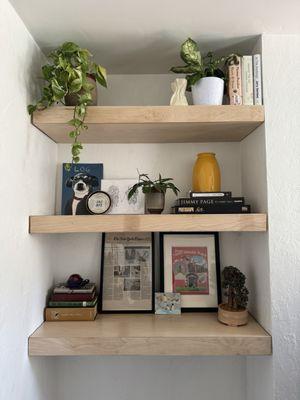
{"x": 148, "y": 334}
{"x": 159, "y": 124}
{"x": 148, "y": 223}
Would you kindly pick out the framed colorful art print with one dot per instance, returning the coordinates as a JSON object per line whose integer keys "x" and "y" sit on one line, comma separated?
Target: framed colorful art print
{"x": 127, "y": 273}
{"x": 190, "y": 266}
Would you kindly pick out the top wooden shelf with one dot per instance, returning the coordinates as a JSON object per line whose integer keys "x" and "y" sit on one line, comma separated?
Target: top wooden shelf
{"x": 154, "y": 124}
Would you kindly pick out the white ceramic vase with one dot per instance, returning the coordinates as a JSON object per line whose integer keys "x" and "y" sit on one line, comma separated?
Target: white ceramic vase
{"x": 208, "y": 91}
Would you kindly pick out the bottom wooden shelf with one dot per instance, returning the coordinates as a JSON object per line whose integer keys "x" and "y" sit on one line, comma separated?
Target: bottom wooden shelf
{"x": 148, "y": 334}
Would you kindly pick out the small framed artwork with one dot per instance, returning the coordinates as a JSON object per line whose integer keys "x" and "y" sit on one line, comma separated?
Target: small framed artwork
{"x": 127, "y": 273}
{"x": 167, "y": 304}
{"x": 190, "y": 266}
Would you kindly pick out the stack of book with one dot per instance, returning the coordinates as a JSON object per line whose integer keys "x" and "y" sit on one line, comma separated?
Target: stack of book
{"x": 72, "y": 304}
{"x": 211, "y": 203}
{"x": 245, "y": 81}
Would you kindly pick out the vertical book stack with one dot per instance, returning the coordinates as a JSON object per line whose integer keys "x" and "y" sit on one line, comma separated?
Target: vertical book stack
{"x": 245, "y": 81}
{"x": 72, "y": 304}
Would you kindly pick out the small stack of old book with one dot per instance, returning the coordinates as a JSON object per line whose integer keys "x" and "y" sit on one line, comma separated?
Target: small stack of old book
{"x": 211, "y": 203}
{"x": 72, "y": 304}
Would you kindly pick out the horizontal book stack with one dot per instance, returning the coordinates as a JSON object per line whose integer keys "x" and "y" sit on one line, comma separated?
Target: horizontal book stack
{"x": 245, "y": 81}
{"x": 211, "y": 203}
{"x": 67, "y": 304}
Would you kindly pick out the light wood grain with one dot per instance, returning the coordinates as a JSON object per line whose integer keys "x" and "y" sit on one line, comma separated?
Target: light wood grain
{"x": 157, "y": 124}
{"x": 148, "y": 223}
{"x": 147, "y": 334}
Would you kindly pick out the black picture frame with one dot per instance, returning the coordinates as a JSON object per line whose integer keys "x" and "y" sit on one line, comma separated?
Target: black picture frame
{"x": 100, "y": 298}
{"x": 218, "y": 272}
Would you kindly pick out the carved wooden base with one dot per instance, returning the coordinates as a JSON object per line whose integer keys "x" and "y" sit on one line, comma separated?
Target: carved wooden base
{"x": 232, "y": 318}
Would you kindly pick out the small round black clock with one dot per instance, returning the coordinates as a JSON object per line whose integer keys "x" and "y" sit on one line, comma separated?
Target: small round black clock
{"x": 98, "y": 202}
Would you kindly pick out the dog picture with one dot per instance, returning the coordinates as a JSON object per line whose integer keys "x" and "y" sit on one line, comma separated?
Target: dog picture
{"x": 82, "y": 185}
{"x": 77, "y": 184}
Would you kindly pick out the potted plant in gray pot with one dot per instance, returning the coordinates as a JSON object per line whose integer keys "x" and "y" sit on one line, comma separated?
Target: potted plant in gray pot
{"x": 154, "y": 192}
{"x": 205, "y": 75}
{"x": 70, "y": 79}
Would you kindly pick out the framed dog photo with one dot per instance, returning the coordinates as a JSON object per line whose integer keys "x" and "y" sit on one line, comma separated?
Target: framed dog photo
{"x": 190, "y": 266}
{"x": 127, "y": 273}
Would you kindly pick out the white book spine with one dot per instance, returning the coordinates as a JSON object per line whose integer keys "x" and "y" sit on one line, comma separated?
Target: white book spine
{"x": 257, "y": 80}
{"x": 247, "y": 80}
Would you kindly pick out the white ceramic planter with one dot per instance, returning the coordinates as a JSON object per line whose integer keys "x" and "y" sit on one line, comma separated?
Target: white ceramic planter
{"x": 208, "y": 91}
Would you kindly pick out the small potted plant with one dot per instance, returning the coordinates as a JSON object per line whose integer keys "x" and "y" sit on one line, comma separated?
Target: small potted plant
{"x": 205, "y": 77}
{"x": 154, "y": 192}
{"x": 71, "y": 78}
{"x": 234, "y": 312}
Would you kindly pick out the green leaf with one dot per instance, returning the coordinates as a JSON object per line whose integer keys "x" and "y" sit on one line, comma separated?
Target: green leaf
{"x": 76, "y": 159}
{"x": 57, "y": 90}
{"x": 47, "y": 71}
{"x": 72, "y": 134}
{"x": 31, "y": 108}
{"x": 75, "y": 85}
{"x": 69, "y": 47}
{"x": 190, "y": 52}
{"x": 192, "y": 79}
{"x": 186, "y": 69}
{"x": 68, "y": 167}
{"x": 100, "y": 75}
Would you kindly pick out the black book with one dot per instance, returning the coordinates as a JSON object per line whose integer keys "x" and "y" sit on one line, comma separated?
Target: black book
{"x": 203, "y": 201}
{"x": 210, "y": 194}
{"x": 213, "y": 209}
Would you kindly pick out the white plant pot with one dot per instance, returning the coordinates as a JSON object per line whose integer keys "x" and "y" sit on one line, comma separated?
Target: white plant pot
{"x": 208, "y": 91}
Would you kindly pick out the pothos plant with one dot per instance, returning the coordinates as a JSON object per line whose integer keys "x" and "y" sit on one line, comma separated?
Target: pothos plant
{"x": 197, "y": 67}
{"x": 67, "y": 73}
{"x": 149, "y": 186}
{"x": 236, "y": 291}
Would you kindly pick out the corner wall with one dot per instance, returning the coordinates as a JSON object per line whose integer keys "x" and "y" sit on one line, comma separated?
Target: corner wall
{"x": 27, "y": 162}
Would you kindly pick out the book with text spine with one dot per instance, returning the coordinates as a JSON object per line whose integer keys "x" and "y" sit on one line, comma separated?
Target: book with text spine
{"x": 187, "y": 201}
{"x": 247, "y": 80}
{"x": 71, "y": 314}
{"x": 72, "y": 303}
{"x": 73, "y": 296}
{"x": 235, "y": 91}
{"x": 257, "y": 80}
{"x": 62, "y": 288}
{"x": 210, "y": 194}
{"x": 212, "y": 209}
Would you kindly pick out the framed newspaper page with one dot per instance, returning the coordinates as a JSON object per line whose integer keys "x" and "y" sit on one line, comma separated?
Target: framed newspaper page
{"x": 190, "y": 266}
{"x": 127, "y": 273}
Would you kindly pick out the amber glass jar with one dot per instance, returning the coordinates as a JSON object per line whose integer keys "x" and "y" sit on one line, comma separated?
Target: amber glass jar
{"x": 206, "y": 173}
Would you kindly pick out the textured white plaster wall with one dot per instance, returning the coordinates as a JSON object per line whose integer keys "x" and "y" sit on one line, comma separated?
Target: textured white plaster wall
{"x": 27, "y": 179}
{"x": 282, "y": 97}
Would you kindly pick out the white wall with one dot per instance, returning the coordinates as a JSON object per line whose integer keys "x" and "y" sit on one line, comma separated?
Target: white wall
{"x": 282, "y": 96}
{"x": 27, "y": 164}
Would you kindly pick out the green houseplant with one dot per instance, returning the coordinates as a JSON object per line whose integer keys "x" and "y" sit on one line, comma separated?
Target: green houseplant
{"x": 70, "y": 78}
{"x": 154, "y": 192}
{"x": 205, "y": 75}
{"x": 234, "y": 311}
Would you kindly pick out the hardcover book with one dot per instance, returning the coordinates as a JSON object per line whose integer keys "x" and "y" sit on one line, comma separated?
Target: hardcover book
{"x": 187, "y": 201}
{"x": 62, "y": 288}
{"x": 73, "y": 296}
{"x": 210, "y": 194}
{"x": 247, "y": 80}
{"x": 77, "y": 185}
{"x": 71, "y": 304}
{"x": 71, "y": 314}
{"x": 257, "y": 80}
{"x": 235, "y": 84}
{"x": 211, "y": 209}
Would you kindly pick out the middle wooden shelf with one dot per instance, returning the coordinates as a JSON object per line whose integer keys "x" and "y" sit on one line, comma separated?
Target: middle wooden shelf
{"x": 148, "y": 223}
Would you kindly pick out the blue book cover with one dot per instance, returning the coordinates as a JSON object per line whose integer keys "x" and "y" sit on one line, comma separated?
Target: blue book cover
{"x": 77, "y": 185}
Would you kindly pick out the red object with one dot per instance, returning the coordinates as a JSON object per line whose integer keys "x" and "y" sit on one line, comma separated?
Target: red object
{"x": 76, "y": 281}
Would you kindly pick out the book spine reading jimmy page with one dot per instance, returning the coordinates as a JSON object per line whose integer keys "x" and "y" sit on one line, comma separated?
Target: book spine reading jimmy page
{"x": 210, "y": 194}
{"x": 72, "y": 303}
{"x": 235, "y": 84}
{"x": 208, "y": 201}
{"x": 231, "y": 209}
{"x": 70, "y": 314}
{"x": 257, "y": 80}
{"x": 72, "y": 296}
{"x": 247, "y": 80}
